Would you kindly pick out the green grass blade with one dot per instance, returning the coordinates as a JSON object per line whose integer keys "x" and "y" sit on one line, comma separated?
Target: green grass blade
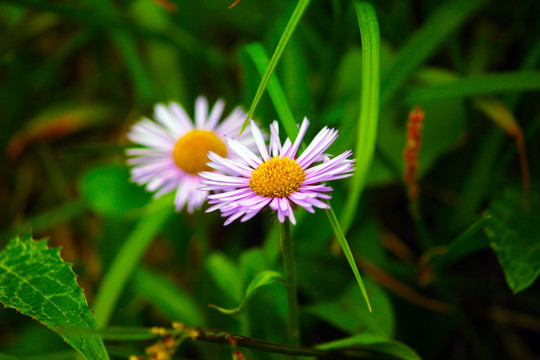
{"x": 369, "y": 107}
{"x": 127, "y": 259}
{"x": 422, "y": 44}
{"x": 347, "y": 251}
{"x": 487, "y": 84}
{"x": 287, "y": 121}
{"x": 282, "y": 44}
{"x": 258, "y": 55}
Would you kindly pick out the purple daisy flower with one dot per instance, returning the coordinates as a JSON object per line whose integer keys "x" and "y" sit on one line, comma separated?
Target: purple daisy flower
{"x": 174, "y": 150}
{"x": 276, "y": 176}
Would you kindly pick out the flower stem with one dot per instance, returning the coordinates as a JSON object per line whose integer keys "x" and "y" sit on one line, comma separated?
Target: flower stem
{"x": 287, "y": 252}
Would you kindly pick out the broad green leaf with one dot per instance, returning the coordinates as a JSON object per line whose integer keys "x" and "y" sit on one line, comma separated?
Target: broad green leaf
{"x": 108, "y": 191}
{"x": 348, "y": 314}
{"x": 366, "y": 132}
{"x": 35, "y": 281}
{"x": 425, "y": 41}
{"x": 167, "y": 297}
{"x": 373, "y": 343}
{"x": 129, "y": 256}
{"x": 225, "y": 274}
{"x": 264, "y": 278}
{"x": 282, "y": 44}
{"x": 514, "y": 236}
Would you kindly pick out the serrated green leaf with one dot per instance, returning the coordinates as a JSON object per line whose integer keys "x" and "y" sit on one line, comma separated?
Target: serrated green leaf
{"x": 375, "y": 343}
{"x": 35, "y": 281}
{"x": 515, "y": 239}
{"x": 264, "y": 278}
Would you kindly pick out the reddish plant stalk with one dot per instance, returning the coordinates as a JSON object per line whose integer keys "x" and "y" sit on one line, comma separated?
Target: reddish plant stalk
{"x": 410, "y": 156}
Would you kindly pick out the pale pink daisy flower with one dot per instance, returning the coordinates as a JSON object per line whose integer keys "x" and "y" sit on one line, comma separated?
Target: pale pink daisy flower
{"x": 275, "y": 176}
{"x": 174, "y": 149}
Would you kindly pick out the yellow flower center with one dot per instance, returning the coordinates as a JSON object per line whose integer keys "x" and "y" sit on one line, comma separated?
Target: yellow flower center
{"x": 277, "y": 177}
{"x": 191, "y": 150}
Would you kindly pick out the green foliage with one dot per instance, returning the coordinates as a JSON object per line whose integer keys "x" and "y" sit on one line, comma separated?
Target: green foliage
{"x": 465, "y": 244}
{"x": 479, "y": 85}
{"x": 168, "y": 298}
{"x": 288, "y": 122}
{"x": 76, "y": 75}
{"x": 128, "y": 258}
{"x": 262, "y": 279}
{"x": 513, "y": 232}
{"x": 108, "y": 191}
{"x": 423, "y": 43}
{"x": 375, "y": 343}
{"x": 349, "y": 315}
{"x": 226, "y": 275}
{"x": 35, "y": 281}
{"x": 282, "y": 44}
{"x": 369, "y": 107}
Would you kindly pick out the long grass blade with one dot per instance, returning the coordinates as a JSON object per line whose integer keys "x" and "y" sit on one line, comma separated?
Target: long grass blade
{"x": 282, "y": 44}
{"x": 487, "y": 84}
{"x": 425, "y": 41}
{"x": 368, "y": 120}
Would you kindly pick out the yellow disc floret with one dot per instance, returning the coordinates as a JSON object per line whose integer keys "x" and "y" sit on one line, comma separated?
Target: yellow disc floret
{"x": 191, "y": 150}
{"x": 277, "y": 177}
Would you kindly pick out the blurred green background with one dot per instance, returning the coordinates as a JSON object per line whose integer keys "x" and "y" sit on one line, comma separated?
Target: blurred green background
{"x": 74, "y": 76}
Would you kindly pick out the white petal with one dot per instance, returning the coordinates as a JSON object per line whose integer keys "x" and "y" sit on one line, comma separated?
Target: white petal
{"x": 201, "y": 112}
{"x": 259, "y": 139}
{"x": 302, "y": 131}
{"x": 215, "y": 114}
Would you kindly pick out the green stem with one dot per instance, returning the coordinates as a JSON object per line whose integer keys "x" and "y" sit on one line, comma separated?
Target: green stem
{"x": 287, "y": 252}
